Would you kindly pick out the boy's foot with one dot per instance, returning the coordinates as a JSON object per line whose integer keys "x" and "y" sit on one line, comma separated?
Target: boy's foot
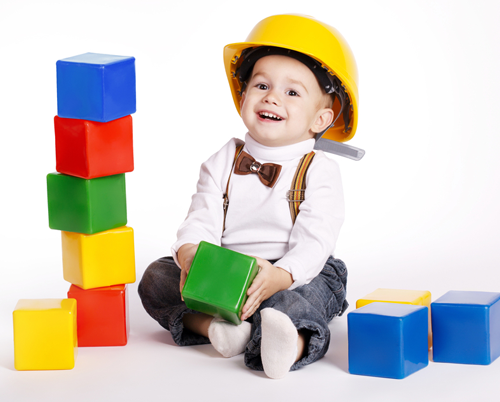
{"x": 279, "y": 343}
{"x": 229, "y": 339}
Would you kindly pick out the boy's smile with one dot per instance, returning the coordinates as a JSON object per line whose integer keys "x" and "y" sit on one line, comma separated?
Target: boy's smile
{"x": 269, "y": 116}
{"x": 283, "y": 103}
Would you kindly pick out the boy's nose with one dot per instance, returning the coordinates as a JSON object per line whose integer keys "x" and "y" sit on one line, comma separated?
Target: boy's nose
{"x": 272, "y": 98}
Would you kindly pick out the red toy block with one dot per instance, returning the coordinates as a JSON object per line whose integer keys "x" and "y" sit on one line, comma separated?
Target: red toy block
{"x": 89, "y": 149}
{"x": 102, "y": 315}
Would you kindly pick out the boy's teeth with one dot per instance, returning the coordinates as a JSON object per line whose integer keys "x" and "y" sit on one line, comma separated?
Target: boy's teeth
{"x": 266, "y": 114}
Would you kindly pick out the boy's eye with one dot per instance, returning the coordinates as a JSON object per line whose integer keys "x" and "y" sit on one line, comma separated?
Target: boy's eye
{"x": 291, "y": 92}
{"x": 261, "y": 86}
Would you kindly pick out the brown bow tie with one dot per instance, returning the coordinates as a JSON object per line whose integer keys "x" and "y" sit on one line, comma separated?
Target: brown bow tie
{"x": 268, "y": 172}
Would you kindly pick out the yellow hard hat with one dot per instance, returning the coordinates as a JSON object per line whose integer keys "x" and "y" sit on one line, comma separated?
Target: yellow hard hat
{"x": 321, "y": 42}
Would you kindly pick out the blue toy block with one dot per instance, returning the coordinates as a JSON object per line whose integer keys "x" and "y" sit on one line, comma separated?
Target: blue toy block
{"x": 97, "y": 87}
{"x": 388, "y": 340}
{"x": 466, "y": 327}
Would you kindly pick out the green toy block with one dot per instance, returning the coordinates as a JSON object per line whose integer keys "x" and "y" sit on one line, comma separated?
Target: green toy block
{"x": 218, "y": 281}
{"x": 86, "y": 205}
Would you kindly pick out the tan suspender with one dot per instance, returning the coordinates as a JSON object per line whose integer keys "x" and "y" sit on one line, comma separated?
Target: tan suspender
{"x": 296, "y": 193}
{"x": 298, "y": 189}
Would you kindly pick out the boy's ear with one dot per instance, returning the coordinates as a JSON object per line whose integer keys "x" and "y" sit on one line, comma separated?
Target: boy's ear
{"x": 323, "y": 120}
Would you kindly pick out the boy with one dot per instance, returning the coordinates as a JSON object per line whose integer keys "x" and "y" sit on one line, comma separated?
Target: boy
{"x": 285, "y": 99}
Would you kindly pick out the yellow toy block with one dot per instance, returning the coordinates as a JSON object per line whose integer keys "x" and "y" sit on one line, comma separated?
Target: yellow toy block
{"x": 400, "y": 296}
{"x": 415, "y": 297}
{"x": 45, "y": 334}
{"x": 99, "y": 260}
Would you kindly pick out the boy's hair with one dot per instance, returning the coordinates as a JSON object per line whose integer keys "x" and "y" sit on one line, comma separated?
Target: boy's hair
{"x": 251, "y": 55}
{"x": 328, "y": 100}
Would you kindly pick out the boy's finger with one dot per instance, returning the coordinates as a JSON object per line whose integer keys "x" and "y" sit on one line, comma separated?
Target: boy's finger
{"x": 248, "y": 313}
{"x": 253, "y": 302}
{"x": 256, "y": 284}
{"x": 253, "y": 308}
{"x": 248, "y": 304}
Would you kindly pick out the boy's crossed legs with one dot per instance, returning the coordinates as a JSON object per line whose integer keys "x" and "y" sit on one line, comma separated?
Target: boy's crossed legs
{"x": 289, "y": 330}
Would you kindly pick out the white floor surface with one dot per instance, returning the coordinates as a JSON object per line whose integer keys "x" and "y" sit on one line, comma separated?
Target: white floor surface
{"x": 152, "y": 367}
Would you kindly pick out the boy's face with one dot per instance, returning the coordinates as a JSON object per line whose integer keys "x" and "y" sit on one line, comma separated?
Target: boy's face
{"x": 283, "y": 103}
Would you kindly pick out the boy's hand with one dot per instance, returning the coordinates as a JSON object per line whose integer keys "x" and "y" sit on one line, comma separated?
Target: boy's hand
{"x": 268, "y": 281}
{"x": 185, "y": 257}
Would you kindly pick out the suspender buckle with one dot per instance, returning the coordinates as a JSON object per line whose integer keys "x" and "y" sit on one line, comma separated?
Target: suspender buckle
{"x": 292, "y": 197}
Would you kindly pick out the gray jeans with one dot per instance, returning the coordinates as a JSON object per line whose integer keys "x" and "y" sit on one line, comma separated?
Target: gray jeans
{"x": 310, "y": 307}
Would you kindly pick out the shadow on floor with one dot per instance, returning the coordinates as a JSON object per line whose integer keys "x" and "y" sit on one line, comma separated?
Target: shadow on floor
{"x": 162, "y": 336}
{"x": 7, "y": 357}
{"x": 338, "y": 354}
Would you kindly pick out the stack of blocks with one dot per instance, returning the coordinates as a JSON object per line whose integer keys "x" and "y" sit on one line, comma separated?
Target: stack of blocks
{"x": 389, "y": 333}
{"x": 87, "y": 203}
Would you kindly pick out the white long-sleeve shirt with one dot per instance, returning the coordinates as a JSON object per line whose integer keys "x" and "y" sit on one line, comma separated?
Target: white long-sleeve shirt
{"x": 258, "y": 220}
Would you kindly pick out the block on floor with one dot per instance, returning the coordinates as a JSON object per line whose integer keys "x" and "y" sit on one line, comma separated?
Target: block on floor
{"x": 97, "y": 87}
{"x": 103, "y": 259}
{"x": 401, "y": 296}
{"x": 86, "y": 206}
{"x": 388, "y": 340}
{"x": 89, "y": 149}
{"x": 415, "y": 297}
{"x": 45, "y": 335}
{"x": 102, "y": 315}
{"x": 218, "y": 281}
{"x": 466, "y": 327}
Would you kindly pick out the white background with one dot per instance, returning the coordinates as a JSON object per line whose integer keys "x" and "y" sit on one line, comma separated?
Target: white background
{"x": 422, "y": 206}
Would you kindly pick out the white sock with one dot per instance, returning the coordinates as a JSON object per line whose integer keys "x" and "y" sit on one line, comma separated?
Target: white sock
{"x": 229, "y": 339}
{"x": 278, "y": 347}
